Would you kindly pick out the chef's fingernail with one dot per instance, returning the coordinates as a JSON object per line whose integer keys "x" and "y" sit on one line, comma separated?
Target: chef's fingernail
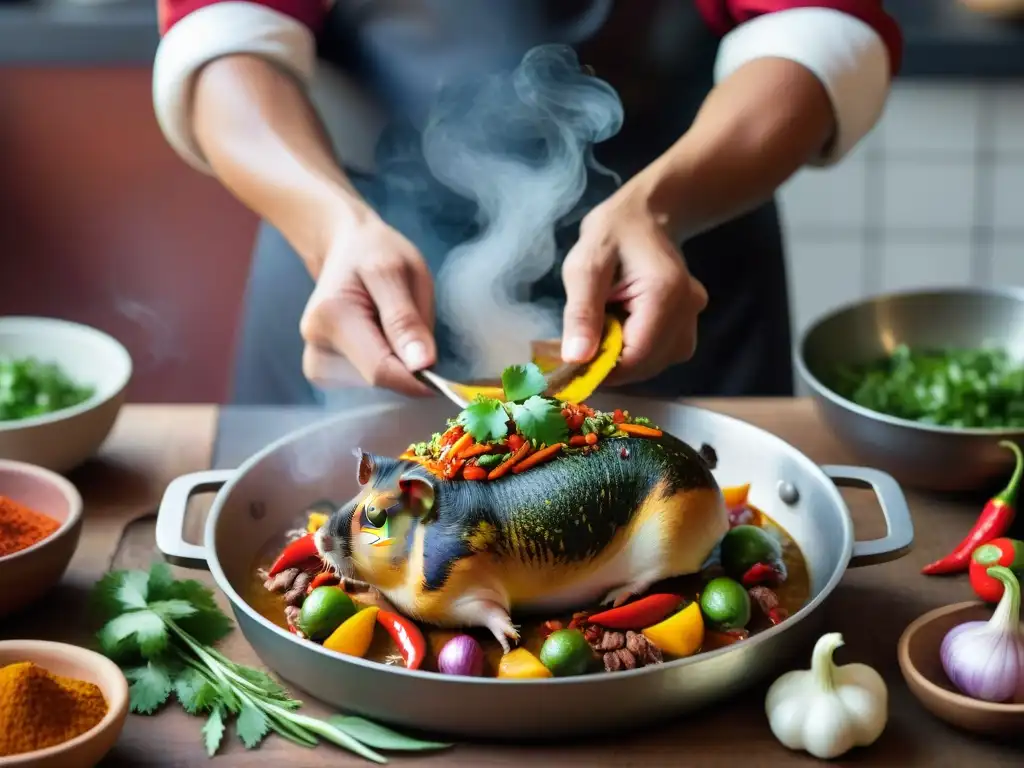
{"x": 414, "y": 354}
{"x": 575, "y": 348}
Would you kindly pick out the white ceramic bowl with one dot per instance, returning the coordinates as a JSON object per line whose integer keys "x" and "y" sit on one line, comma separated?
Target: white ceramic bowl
{"x": 64, "y": 439}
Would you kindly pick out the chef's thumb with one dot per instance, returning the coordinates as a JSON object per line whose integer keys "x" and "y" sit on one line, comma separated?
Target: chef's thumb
{"x": 587, "y": 272}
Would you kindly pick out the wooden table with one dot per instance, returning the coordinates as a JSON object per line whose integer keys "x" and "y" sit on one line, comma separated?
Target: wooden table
{"x": 152, "y": 444}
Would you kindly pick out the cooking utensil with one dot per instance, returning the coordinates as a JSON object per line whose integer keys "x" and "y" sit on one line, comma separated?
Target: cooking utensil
{"x": 64, "y": 439}
{"x": 930, "y": 457}
{"x": 921, "y": 665}
{"x": 37, "y": 568}
{"x": 265, "y": 496}
{"x": 558, "y": 375}
{"x": 87, "y": 749}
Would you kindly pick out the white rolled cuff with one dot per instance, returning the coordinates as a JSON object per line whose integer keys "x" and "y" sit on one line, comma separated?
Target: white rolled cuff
{"x": 214, "y": 31}
{"x": 845, "y": 54}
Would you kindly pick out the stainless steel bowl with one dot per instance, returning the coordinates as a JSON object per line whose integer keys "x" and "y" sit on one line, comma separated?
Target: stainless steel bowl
{"x": 918, "y": 455}
{"x": 259, "y": 500}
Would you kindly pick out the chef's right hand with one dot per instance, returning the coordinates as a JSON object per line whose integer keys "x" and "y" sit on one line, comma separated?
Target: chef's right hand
{"x": 372, "y": 310}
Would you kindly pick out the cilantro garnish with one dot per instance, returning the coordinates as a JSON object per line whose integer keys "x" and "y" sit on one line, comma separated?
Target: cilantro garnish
{"x": 161, "y": 631}
{"x": 540, "y": 421}
{"x": 485, "y": 419}
{"x": 522, "y": 382}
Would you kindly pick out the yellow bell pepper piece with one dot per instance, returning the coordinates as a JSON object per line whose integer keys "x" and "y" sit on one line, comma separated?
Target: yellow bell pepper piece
{"x": 521, "y": 664}
{"x": 355, "y": 634}
{"x": 736, "y": 495}
{"x": 681, "y": 634}
{"x": 316, "y": 521}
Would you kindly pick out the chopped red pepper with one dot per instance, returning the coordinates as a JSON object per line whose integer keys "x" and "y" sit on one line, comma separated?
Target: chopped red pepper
{"x": 618, "y": 416}
{"x": 515, "y": 442}
{"x": 550, "y": 626}
{"x": 1005, "y": 552}
{"x": 407, "y": 637}
{"x": 640, "y": 614}
{"x": 474, "y": 473}
{"x": 298, "y": 554}
{"x": 763, "y": 573}
{"x": 322, "y": 579}
{"x": 994, "y": 522}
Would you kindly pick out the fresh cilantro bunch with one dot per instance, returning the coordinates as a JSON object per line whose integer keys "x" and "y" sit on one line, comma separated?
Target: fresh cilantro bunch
{"x": 537, "y": 418}
{"x": 162, "y": 631}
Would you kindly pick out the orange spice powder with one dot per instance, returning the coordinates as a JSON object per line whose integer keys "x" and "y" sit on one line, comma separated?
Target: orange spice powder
{"x": 21, "y": 527}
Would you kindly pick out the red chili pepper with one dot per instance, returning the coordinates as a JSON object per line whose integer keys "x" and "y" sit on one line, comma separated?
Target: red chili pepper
{"x": 295, "y": 555}
{"x": 322, "y": 579}
{"x": 407, "y": 637}
{"x": 474, "y": 473}
{"x": 643, "y": 613}
{"x": 994, "y": 522}
{"x": 762, "y": 573}
{"x": 1006, "y": 552}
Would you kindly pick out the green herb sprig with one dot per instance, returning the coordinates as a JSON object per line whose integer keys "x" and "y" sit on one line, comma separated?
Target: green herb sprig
{"x": 162, "y": 632}
{"x": 946, "y": 387}
{"x": 538, "y": 419}
{"x": 30, "y": 387}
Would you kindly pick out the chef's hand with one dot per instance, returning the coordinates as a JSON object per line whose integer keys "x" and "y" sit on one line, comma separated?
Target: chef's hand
{"x": 623, "y": 255}
{"x": 372, "y": 310}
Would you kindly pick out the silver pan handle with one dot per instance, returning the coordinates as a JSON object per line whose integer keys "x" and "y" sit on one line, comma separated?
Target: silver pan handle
{"x": 170, "y": 519}
{"x": 899, "y": 536}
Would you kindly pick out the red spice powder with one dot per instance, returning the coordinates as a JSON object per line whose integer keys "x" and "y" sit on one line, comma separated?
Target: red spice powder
{"x": 21, "y": 527}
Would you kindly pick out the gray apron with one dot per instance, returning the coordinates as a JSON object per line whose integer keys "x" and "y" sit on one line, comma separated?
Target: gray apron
{"x": 659, "y": 57}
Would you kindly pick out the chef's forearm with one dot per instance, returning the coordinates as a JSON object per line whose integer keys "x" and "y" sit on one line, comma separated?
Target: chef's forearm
{"x": 263, "y": 140}
{"x": 755, "y": 129}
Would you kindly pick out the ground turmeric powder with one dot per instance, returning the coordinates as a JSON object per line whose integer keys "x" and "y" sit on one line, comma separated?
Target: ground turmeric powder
{"x": 39, "y": 709}
{"x": 21, "y": 527}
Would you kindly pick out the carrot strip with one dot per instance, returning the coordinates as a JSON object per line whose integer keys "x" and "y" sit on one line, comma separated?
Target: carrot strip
{"x": 592, "y": 438}
{"x": 452, "y": 470}
{"x": 510, "y": 462}
{"x": 638, "y": 430}
{"x": 536, "y": 458}
{"x": 460, "y": 445}
{"x": 479, "y": 450}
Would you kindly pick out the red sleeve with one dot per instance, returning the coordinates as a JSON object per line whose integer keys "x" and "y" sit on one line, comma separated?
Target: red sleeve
{"x": 724, "y": 15}
{"x": 308, "y": 12}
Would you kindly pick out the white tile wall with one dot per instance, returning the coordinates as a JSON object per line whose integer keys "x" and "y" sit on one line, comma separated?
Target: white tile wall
{"x": 1008, "y": 261}
{"x": 914, "y": 264}
{"x": 927, "y": 195}
{"x": 934, "y": 196}
{"x": 934, "y": 117}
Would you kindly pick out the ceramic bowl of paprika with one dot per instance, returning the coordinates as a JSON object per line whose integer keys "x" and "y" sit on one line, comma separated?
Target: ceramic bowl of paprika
{"x": 86, "y": 749}
{"x": 27, "y": 491}
{"x": 921, "y": 665}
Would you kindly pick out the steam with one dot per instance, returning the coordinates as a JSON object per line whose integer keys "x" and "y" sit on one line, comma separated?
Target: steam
{"x": 519, "y": 145}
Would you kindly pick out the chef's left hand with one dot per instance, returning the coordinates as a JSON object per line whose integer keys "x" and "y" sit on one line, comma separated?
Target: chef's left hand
{"x": 624, "y": 256}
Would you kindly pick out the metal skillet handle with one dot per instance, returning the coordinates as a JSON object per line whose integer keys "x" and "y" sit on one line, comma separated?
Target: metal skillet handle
{"x": 170, "y": 519}
{"x": 899, "y": 534}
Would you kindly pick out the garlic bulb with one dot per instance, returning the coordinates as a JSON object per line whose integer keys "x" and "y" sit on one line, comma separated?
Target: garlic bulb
{"x": 828, "y": 710}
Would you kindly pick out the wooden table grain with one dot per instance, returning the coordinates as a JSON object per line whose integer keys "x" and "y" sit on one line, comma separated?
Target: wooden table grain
{"x": 153, "y": 444}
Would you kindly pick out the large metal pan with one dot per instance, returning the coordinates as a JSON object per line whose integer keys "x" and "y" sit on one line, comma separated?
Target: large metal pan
{"x": 256, "y": 502}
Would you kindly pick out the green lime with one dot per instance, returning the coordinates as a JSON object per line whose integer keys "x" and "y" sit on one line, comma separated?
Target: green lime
{"x": 725, "y": 603}
{"x": 747, "y": 545}
{"x": 323, "y": 611}
{"x": 566, "y": 652}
